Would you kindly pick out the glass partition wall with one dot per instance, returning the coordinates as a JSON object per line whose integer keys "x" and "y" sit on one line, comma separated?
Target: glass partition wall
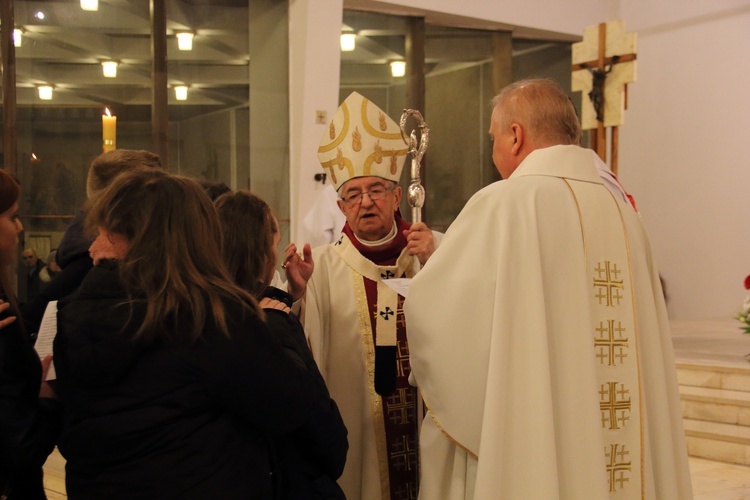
{"x": 76, "y": 60}
{"x": 463, "y": 69}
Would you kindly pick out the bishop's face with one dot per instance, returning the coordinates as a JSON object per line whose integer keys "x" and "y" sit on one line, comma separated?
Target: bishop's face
{"x": 370, "y": 219}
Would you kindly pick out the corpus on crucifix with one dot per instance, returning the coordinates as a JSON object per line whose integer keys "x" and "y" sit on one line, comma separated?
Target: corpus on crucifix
{"x": 603, "y": 65}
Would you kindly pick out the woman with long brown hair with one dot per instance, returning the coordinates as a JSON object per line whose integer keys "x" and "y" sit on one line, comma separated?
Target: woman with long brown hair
{"x": 172, "y": 383}
{"x": 308, "y": 463}
{"x": 29, "y": 416}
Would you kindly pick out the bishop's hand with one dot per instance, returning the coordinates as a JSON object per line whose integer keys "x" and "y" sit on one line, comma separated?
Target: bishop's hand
{"x": 298, "y": 269}
{"x": 420, "y": 241}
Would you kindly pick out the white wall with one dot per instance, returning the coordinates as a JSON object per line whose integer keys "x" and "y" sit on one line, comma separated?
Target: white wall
{"x": 684, "y": 147}
{"x": 314, "y": 65}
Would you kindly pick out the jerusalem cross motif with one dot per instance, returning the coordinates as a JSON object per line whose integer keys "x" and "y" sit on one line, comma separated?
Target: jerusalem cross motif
{"x": 406, "y": 491}
{"x": 618, "y": 466}
{"x": 400, "y": 406}
{"x": 402, "y": 357}
{"x": 607, "y": 284}
{"x": 614, "y": 404}
{"x": 404, "y": 454}
{"x": 610, "y": 344}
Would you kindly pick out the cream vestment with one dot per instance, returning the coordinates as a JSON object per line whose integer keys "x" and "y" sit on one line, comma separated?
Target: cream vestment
{"x": 540, "y": 343}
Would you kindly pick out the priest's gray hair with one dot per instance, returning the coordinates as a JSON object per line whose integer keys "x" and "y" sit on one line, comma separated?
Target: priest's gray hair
{"x": 543, "y": 107}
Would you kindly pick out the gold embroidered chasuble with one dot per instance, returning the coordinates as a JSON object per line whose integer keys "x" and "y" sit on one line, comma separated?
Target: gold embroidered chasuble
{"x": 614, "y": 335}
{"x": 395, "y": 413}
{"x": 338, "y": 321}
{"x": 546, "y": 364}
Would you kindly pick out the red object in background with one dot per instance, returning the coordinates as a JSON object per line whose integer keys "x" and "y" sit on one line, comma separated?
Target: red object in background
{"x": 747, "y": 283}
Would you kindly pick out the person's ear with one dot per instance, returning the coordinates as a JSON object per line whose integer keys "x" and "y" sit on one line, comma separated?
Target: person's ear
{"x": 340, "y": 203}
{"x": 398, "y": 193}
{"x": 518, "y": 138}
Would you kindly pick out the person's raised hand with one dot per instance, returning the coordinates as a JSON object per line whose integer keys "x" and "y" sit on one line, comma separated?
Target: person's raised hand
{"x": 298, "y": 269}
{"x": 4, "y": 305}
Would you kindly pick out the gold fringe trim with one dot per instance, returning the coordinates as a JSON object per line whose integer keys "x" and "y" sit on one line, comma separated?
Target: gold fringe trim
{"x": 376, "y": 401}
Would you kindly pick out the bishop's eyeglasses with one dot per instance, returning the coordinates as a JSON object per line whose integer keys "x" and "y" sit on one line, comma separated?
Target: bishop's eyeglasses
{"x": 375, "y": 194}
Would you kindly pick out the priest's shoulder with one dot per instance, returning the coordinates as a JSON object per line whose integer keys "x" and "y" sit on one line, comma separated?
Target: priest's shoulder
{"x": 508, "y": 190}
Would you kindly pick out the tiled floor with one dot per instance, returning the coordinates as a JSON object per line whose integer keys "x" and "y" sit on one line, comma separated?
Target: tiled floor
{"x": 701, "y": 342}
{"x": 711, "y": 480}
{"x": 719, "y": 481}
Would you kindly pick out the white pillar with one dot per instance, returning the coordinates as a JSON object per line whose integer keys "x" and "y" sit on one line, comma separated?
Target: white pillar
{"x": 314, "y": 65}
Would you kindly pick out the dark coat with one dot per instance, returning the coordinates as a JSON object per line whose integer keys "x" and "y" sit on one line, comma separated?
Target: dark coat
{"x": 29, "y": 426}
{"x": 311, "y": 458}
{"x": 74, "y": 260}
{"x": 171, "y": 419}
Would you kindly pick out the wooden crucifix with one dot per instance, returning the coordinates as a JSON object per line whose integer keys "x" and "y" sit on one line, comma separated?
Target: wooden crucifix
{"x": 603, "y": 65}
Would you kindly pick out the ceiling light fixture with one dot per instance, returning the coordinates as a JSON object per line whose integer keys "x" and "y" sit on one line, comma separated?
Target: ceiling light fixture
{"x": 348, "y": 41}
{"x": 90, "y": 5}
{"x": 109, "y": 68}
{"x": 45, "y": 92}
{"x": 17, "y": 37}
{"x": 398, "y": 68}
{"x": 39, "y": 15}
{"x": 180, "y": 92}
{"x": 184, "y": 40}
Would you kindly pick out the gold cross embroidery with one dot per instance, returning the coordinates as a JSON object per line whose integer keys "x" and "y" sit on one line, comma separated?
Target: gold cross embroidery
{"x": 610, "y": 343}
{"x": 402, "y": 359}
{"x": 614, "y": 405}
{"x": 607, "y": 285}
{"x": 400, "y": 406}
{"x": 403, "y": 454}
{"x": 618, "y": 467}
{"x": 406, "y": 491}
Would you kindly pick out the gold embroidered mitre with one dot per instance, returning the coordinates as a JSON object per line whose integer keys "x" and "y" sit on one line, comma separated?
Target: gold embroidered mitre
{"x": 361, "y": 141}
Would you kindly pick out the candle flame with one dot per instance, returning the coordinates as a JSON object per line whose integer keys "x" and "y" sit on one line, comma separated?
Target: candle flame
{"x": 33, "y": 156}
{"x": 106, "y": 110}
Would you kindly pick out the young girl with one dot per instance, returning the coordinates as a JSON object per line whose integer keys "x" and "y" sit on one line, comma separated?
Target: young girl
{"x": 308, "y": 462}
{"x": 173, "y": 385}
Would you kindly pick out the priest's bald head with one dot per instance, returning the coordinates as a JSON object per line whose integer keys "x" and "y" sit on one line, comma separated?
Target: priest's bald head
{"x": 528, "y": 115}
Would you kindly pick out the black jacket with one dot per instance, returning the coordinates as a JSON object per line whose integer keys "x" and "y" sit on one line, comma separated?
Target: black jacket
{"x": 74, "y": 260}
{"x": 312, "y": 458}
{"x": 29, "y": 426}
{"x": 173, "y": 419}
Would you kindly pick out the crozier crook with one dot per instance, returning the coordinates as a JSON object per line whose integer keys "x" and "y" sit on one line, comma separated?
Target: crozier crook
{"x": 416, "y": 193}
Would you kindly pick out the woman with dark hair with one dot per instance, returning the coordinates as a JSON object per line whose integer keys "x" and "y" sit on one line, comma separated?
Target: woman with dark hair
{"x": 310, "y": 459}
{"x": 173, "y": 384}
{"x": 29, "y": 415}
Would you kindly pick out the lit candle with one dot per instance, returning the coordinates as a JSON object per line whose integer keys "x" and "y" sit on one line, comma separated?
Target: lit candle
{"x": 109, "y": 131}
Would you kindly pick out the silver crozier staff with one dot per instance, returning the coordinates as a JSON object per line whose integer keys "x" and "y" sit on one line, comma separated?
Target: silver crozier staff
{"x": 416, "y": 194}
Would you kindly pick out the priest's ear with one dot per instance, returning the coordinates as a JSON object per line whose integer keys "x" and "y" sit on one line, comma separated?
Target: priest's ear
{"x": 518, "y": 138}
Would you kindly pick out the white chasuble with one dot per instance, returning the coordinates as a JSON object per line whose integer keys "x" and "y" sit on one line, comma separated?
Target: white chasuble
{"x": 336, "y": 316}
{"x": 539, "y": 340}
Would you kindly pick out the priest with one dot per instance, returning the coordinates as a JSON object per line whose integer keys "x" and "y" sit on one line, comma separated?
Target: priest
{"x": 538, "y": 331}
{"x": 353, "y": 320}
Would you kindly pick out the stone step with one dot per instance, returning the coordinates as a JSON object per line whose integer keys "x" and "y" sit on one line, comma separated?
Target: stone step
{"x": 715, "y": 405}
{"x": 718, "y": 441}
{"x": 730, "y": 378}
